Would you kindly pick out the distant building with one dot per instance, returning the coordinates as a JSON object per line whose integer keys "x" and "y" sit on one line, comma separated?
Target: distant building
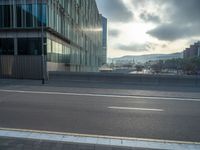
{"x": 199, "y": 52}
{"x": 104, "y": 39}
{"x": 193, "y": 51}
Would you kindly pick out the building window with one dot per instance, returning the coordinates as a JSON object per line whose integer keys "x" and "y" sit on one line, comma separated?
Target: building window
{"x": 1, "y": 16}
{"x": 19, "y": 16}
{"x": 30, "y": 46}
{"x": 41, "y": 15}
{"x": 7, "y": 20}
{"x": 7, "y": 46}
{"x": 6, "y": 15}
{"x": 31, "y": 15}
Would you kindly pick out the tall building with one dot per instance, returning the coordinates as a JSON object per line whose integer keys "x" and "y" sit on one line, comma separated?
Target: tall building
{"x": 193, "y": 51}
{"x": 104, "y": 39}
{"x": 68, "y": 31}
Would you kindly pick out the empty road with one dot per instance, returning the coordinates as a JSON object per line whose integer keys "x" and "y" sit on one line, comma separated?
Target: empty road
{"x": 152, "y": 117}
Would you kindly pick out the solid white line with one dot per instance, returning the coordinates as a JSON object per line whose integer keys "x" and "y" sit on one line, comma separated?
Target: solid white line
{"x": 103, "y": 95}
{"x": 99, "y": 140}
{"x": 131, "y": 108}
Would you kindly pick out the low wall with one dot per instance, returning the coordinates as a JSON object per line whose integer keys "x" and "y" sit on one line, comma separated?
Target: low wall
{"x": 126, "y": 78}
{"x": 21, "y": 67}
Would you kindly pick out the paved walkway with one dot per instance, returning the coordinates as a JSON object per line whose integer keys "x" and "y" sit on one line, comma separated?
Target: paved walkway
{"x": 24, "y": 144}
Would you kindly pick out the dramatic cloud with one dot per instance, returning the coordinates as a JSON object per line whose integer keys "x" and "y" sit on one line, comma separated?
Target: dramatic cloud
{"x": 139, "y": 3}
{"x": 184, "y": 18}
{"x": 144, "y": 3}
{"x": 134, "y": 47}
{"x": 172, "y": 32}
{"x": 113, "y": 32}
{"x": 185, "y": 11}
{"x": 168, "y": 24}
{"x": 115, "y": 10}
{"x": 149, "y": 17}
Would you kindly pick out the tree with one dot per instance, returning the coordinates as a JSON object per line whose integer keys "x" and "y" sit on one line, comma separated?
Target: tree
{"x": 157, "y": 67}
{"x": 191, "y": 66}
{"x": 139, "y": 68}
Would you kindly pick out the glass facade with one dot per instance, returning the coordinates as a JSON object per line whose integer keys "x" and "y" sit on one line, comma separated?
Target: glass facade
{"x": 22, "y": 15}
{"x": 57, "y": 52}
{"x": 31, "y": 15}
{"x": 80, "y": 22}
{"x": 72, "y": 30}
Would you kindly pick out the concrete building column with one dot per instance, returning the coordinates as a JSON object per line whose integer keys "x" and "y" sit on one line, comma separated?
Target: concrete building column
{"x": 14, "y": 15}
{"x": 15, "y": 46}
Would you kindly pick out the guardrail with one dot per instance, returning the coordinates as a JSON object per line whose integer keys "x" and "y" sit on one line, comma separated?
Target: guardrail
{"x": 183, "y": 80}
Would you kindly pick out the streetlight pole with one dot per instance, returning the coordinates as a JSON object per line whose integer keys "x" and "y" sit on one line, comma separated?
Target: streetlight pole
{"x": 42, "y": 36}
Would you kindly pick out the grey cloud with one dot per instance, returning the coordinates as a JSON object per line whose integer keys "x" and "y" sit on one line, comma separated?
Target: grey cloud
{"x": 134, "y": 47}
{"x": 114, "y": 32}
{"x": 139, "y": 3}
{"x": 184, "y": 18}
{"x": 172, "y": 32}
{"x": 142, "y": 3}
{"x": 185, "y": 11}
{"x": 148, "y": 17}
{"x": 115, "y": 10}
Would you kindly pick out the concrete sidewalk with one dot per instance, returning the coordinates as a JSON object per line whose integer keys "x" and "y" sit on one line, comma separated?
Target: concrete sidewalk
{"x": 24, "y": 144}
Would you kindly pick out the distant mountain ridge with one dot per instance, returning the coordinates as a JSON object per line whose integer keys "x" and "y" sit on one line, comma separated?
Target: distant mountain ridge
{"x": 145, "y": 58}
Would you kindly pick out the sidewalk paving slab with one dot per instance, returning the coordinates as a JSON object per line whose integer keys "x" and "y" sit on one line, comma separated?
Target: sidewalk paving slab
{"x": 27, "y": 144}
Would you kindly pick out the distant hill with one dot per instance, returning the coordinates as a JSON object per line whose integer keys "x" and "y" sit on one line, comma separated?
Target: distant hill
{"x": 145, "y": 58}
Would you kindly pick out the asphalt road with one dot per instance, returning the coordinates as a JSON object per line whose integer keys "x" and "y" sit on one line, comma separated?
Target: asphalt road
{"x": 113, "y": 115}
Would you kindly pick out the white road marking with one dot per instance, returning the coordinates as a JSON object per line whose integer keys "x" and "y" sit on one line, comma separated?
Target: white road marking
{"x": 99, "y": 140}
{"x": 104, "y": 95}
{"x": 131, "y": 108}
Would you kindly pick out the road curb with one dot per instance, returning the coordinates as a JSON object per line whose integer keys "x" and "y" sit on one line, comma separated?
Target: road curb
{"x": 98, "y": 139}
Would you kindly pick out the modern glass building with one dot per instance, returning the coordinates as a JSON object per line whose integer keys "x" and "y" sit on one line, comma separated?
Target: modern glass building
{"x": 69, "y": 32}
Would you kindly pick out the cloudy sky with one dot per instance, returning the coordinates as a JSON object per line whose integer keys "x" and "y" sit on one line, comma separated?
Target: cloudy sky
{"x": 139, "y": 27}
